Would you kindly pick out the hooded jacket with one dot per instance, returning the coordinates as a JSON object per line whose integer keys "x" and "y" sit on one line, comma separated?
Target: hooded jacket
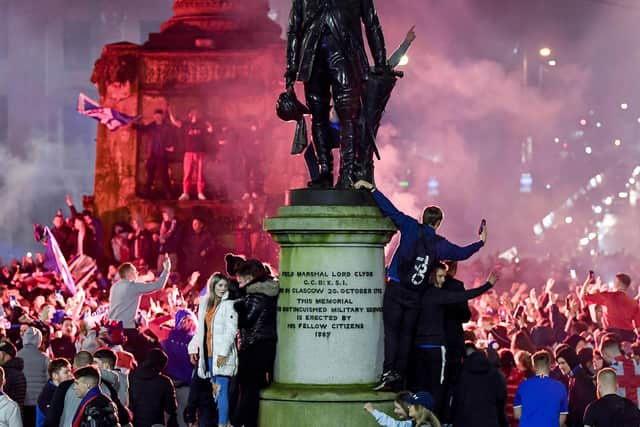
{"x": 16, "y": 383}
{"x": 481, "y": 394}
{"x": 36, "y": 364}
{"x": 177, "y": 348}
{"x": 9, "y": 412}
{"x": 152, "y": 393}
{"x": 257, "y": 313}
{"x": 119, "y": 382}
{"x": 225, "y": 328}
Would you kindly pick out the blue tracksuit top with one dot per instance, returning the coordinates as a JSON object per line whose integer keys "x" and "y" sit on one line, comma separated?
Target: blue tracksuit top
{"x": 409, "y": 227}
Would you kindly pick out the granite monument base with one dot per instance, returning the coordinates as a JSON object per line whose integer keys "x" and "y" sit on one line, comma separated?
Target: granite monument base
{"x": 330, "y": 335}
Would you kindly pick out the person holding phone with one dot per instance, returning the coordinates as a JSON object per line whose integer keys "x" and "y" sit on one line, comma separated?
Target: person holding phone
{"x": 402, "y": 297}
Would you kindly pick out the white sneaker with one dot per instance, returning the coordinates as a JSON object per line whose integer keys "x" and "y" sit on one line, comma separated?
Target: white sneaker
{"x": 201, "y": 196}
{"x": 183, "y": 196}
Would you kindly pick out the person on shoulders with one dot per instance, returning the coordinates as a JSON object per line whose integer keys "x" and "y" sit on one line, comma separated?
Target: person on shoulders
{"x": 619, "y": 309}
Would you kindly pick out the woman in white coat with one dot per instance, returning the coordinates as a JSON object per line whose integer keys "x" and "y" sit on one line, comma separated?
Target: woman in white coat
{"x": 213, "y": 347}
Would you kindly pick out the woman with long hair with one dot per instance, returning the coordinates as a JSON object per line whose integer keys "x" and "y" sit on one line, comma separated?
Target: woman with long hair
{"x": 216, "y": 354}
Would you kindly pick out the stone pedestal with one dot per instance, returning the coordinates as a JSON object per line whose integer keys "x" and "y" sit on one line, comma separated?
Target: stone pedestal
{"x": 330, "y": 336}
{"x": 224, "y": 57}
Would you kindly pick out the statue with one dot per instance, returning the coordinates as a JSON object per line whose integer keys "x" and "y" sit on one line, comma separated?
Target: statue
{"x": 325, "y": 50}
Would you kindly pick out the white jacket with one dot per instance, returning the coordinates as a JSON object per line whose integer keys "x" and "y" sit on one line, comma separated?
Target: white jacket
{"x": 9, "y": 412}
{"x": 225, "y": 329}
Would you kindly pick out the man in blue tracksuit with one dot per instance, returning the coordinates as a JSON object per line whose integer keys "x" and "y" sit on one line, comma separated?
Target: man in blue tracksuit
{"x": 402, "y": 299}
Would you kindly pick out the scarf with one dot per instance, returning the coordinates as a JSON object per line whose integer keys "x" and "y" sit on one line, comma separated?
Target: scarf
{"x": 88, "y": 398}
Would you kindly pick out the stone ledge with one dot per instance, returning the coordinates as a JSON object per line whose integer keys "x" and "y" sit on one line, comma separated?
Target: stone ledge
{"x": 325, "y": 393}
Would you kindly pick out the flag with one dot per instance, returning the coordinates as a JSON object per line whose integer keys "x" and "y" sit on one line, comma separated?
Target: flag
{"x": 111, "y": 118}
{"x": 54, "y": 260}
{"x": 82, "y": 268}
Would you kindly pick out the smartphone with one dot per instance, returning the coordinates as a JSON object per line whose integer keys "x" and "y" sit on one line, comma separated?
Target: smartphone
{"x": 12, "y": 301}
{"x": 573, "y": 274}
{"x": 518, "y": 311}
{"x": 592, "y": 278}
{"x": 483, "y": 224}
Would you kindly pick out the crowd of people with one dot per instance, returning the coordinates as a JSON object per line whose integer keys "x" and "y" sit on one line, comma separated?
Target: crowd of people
{"x": 140, "y": 346}
{"x": 528, "y": 355}
{"x": 144, "y": 343}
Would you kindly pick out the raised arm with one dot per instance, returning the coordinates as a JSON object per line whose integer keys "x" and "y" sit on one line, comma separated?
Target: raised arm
{"x": 450, "y": 251}
{"x": 177, "y": 123}
{"x": 147, "y": 288}
{"x": 453, "y": 297}
{"x": 399, "y": 219}
{"x": 74, "y": 211}
{"x": 394, "y": 60}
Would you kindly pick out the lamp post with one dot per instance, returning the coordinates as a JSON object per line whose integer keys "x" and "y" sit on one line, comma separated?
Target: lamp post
{"x": 544, "y": 53}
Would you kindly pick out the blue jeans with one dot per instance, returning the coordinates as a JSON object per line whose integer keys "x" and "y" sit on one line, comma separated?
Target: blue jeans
{"x": 223, "y": 394}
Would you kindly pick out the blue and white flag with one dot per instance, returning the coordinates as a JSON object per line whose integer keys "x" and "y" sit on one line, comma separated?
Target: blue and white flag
{"x": 55, "y": 261}
{"x": 111, "y": 118}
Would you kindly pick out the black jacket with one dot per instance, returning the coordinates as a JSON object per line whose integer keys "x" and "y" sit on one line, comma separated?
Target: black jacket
{"x": 100, "y": 412}
{"x": 309, "y": 18}
{"x": 151, "y": 394}
{"x": 257, "y": 313}
{"x": 455, "y": 316}
{"x": 16, "y": 382}
{"x": 145, "y": 243}
{"x": 192, "y": 247}
{"x": 582, "y": 391}
{"x": 430, "y": 329}
{"x": 46, "y": 396}
{"x": 481, "y": 394}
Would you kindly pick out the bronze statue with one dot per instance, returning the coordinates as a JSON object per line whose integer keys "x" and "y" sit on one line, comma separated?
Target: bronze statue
{"x": 325, "y": 50}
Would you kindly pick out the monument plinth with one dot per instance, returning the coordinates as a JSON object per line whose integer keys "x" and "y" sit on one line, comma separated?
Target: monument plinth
{"x": 330, "y": 334}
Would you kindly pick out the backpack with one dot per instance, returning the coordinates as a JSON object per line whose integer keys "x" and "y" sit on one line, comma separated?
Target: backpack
{"x": 415, "y": 266}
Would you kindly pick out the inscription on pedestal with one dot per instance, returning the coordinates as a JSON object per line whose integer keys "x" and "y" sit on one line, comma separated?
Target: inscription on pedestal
{"x": 323, "y": 303}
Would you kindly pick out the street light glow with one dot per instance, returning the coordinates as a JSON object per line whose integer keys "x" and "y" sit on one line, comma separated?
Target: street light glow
{"x": 552, "y": 62}
{"x": 545, "y": 51}
{"x": 624, "y": 105}
{"x": 404, "y": 60}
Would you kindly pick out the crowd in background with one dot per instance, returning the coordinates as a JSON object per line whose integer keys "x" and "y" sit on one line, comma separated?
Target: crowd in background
{"x": 60, "y": 349}
{"x": 163, "y": 355}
